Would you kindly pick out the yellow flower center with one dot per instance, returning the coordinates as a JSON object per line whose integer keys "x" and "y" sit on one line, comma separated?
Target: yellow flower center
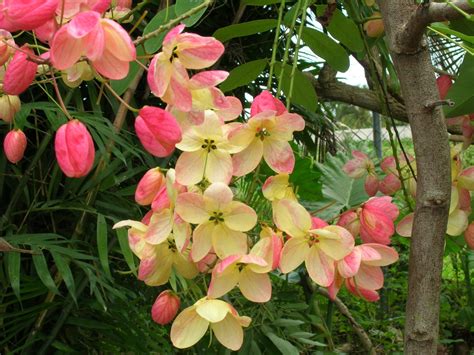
{"x": 262, "y": 133}
{"x": 217, "y": 217}
{"x": 209, "y": 144}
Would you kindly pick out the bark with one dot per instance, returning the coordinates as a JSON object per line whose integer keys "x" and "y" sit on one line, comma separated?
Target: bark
{"x": 417, "y": 78}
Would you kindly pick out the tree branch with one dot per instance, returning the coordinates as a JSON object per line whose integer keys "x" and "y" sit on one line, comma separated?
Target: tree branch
{"x": 408, "y": 40}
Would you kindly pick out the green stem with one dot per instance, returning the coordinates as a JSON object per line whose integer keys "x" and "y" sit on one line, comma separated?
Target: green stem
{"x": 287, "y": 48}
{"x": 295, "y": 57}
{"x": 275, "y": 44}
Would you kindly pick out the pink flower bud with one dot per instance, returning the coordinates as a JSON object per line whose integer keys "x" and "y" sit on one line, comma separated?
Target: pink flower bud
{"x": 149, "y": 185}
{"x": 20, "y": 72}
{"x": 157, "y": 130}
{"x": 14, "y": 145}
{"x": 444, "y": 83}
{"x": 74, "y": 149}
{"x": 9, "y": 106}
{"x": 390, "y": 184}
{"x": 371, "y": 185}
{"x": 165, "y": 307}
{"x": 469, "y": 236}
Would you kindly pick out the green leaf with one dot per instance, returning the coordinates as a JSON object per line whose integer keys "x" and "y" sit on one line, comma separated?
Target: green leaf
{"x": 244, "y": 74}
{"x": 183, "y": 6}
{"x": 441, "y": 27}
{"x": 225, "y": 34}
{"x": 325, "y": 47}
{"x": 303, "y": 91}
{"x": 120, "y": 86}
{"x": 461, "y": 91}
{"x": 66, "y": 274}
{"x": 346, "y": 31}
{"x": 42, "y": 270}
{"x": 285, "y": 347}
{"x": 161, "y": 18}
{"x": 122, "y": 236}
{"x": 282, "y": 322}
{"x": 13, "y": 265}
{"x": 339, "y": 187}
{"x": 102, "y": 245}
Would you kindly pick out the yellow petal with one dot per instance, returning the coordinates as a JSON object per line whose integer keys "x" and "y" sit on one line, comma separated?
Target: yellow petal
{"x": 247, "y": 160}
{"x": 240, "y": 217}
{"x": 191, "y": 207}
{"x": 218, "y": 166}
{"x": 228, "y": 242}
{"x": 320, "y": 267}
{"x": 293, "y": 254}
{"x": 184, "y": 266}
{"x": 190, "y": 167}
{"x": 213, "y": 310}
{"x": 292, "y": 218}
{"x": 229, "y": 333}
{"x": 202, "y": 240}
{"x": 223, "y": 282}
{"x": 457, "y": 222}
{"x": 188, "y": 328}
{"x": 255, "y": 287}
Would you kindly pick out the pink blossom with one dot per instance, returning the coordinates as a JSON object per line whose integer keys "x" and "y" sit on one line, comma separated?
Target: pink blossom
{"x": 149, "y": 186}
{"x": 444, "y": 83}
{"x": 104, "y": 42}
{"x": 7, "y": 46}
{"x": 157, "y": 130}
{"x": 20, "y": 72}
{"x": 14, "y": 145}
{"x": 376, "y": 220}
{"x": 165, "y": 308}
{"x": 74, "y": 149}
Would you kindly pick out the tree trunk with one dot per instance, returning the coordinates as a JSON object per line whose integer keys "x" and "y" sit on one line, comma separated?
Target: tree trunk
{"x": 417, "y": 79}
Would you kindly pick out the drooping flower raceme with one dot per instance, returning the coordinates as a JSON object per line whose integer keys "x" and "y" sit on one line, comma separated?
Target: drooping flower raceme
{"x": 266, "y": 134}
{"x": 192, "y": 323}
{"x": 103, "y": 42}
{"x": 206, "y": 153}
{"x": 312, "y": 241}
{"x": 221, "y": 221}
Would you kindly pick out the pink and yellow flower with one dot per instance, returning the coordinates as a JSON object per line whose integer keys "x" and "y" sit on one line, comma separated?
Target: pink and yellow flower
{"x": 317, "y": 244}
{"x": 192, "y": 323}
{"x": 206, "y": 153}
{"x": 103, "y": 42}
{"x": 248, "y": 272}
{"x": 377, "y": 218}
{"x": 361, "y": 270}
{"x": 266, "y": 135}
{"x": 278, "y": 188}
{"x": 25, "y": 15}
{"x": 167, "y": 74}
{"x": 359, "y": 167}
{"x": 221, "y": 221}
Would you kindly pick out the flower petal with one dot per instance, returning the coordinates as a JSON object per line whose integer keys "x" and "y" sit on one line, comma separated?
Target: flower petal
{"x": 291, "y": 217}
{"x": 255, "y": 287}
{"x": 240, "y": 217}
{"x": 320, "y": 267}
{"x": 293, "y": 254}
{"x": 229, "y": 332}
{"x": 188, "y": 328}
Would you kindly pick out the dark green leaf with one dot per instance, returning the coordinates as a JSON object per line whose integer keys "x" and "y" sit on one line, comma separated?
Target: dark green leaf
{"x": 303, "y": 91}
{"x": 13, "y": 265}
{"x": 244, "y": 74}
{"x": 66, "y": 274}
{"x": 346, "y": 31}
{"x": 225, "y": 34}
{"x": 42, "y": 270}
{"x": 102, "y": 245}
